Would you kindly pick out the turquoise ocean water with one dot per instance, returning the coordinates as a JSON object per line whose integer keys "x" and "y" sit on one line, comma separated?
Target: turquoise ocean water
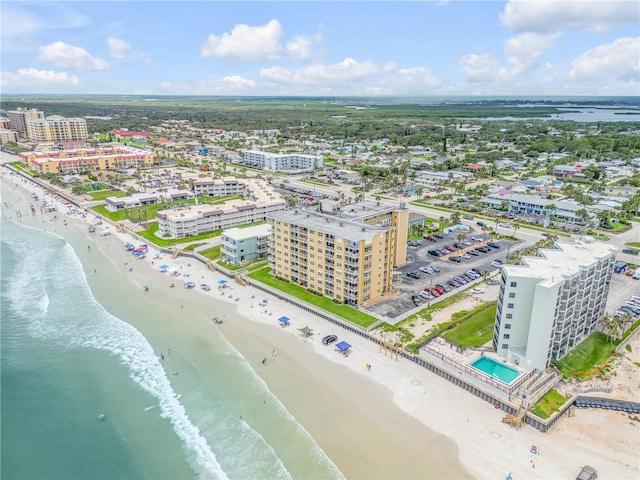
{"x": 65, "y": 360}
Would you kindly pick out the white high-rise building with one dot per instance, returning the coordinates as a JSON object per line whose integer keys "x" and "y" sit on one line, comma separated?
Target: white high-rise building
{"x": 283, "y": 162}
{"x": 552, "y": 302}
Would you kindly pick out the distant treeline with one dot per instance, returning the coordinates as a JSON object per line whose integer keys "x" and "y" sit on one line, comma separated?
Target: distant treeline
{"x": 405, "y": 122}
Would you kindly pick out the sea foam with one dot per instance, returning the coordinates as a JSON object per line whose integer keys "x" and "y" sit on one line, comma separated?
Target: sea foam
{"x": 64, "y": 318}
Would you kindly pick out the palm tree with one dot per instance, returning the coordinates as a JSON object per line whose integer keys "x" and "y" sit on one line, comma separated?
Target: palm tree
{"x": 485, "y": 273}
{"x": 516, "y": 227}
{"x": 551, "y": 209}
{"x": 612, "y": 326}
{"x": 582, "y": 215}
{"x": 460, "y": 237}
{"x": 455, "y": 218}
{"x": 603, "y": 217}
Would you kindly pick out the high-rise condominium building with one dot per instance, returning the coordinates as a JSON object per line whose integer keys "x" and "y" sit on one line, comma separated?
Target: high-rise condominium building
{"x": 56, "y": 129}
{"x": 18, "y": 119}
{"x": 347, "y": 255}
{"x": 551, "y": 302}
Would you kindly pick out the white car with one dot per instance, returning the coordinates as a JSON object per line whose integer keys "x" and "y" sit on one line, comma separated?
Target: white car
{"x": 477, "y": 239}
{"x": 477, "y": 291}
{"x": 465, "y": 256}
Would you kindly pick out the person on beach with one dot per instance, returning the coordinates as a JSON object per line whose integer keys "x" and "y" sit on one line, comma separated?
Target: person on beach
{"x": 274, "y": 353}
{"x": 264, "y": 361}
{"x": 162, "y": 355}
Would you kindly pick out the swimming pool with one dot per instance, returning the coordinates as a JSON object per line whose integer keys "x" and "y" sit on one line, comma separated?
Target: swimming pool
{"x": 496, "y": 369}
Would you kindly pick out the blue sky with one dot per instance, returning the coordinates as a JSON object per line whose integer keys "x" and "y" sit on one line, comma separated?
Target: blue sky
{"x": 391, "y": 48}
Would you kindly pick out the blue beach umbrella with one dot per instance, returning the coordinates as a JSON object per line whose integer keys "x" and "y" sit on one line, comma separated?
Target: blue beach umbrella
{"x": 221, "y": 282}
{"x": 164, "y": 267}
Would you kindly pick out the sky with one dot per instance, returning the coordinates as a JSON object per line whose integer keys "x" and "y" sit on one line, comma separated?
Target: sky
{"x": 315, "y": 48}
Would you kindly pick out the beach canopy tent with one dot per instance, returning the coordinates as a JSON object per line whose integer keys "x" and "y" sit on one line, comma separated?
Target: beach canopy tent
{"x": 221, "y": 282}
{"x": 343, "y": 346}
{"x": 284, "y": 320}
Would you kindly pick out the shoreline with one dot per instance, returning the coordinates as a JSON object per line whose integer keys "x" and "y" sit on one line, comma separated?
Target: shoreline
{"x": 401, "y": 409}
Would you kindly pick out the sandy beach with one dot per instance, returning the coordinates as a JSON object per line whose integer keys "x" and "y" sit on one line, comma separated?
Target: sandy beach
{"x": 395, "y": 420}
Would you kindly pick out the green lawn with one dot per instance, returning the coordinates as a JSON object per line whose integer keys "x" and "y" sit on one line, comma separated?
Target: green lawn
{"x": 548, "y": 404}
{"x": 211, "y": 253}
{"x": 635, "y": 245}
{"x": 475, "y": 329}
{"x": 102, "y": 194}
{"x": 344, "y": 311}
{"x": 148, "y": 212}
{"x": 582, "y": 361}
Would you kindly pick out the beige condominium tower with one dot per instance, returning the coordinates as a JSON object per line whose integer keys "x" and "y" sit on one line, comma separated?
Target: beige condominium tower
{"x": 346, "y": 253}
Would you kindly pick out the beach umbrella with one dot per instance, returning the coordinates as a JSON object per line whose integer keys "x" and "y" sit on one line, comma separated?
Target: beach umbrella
{"x": 221, "y": 282}
{"x": 164, "y": 267}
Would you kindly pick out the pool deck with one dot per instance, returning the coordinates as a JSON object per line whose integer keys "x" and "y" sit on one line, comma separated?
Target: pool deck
{"x": 460, "y": 361}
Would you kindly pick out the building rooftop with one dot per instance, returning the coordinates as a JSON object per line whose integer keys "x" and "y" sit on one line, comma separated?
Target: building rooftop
{"x": 249, "y": 232}
{"x": 352, "y": 230}
{"x": 366, "y": 208}
{"x": 561, "y": 262}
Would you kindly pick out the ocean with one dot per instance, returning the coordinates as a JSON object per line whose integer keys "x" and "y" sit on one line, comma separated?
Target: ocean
{"x": 65, "y": 360}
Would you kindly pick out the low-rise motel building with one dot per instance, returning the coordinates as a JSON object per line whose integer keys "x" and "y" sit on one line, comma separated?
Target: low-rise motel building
{"x": 241, "y": 245}
{"x": 260, "y": 201}
{"x": 87, "y": 159}
{"x": 347, "y": 254}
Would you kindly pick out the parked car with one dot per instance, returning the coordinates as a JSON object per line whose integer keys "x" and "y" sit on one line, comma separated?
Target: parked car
{"x": 438, "y": 235}
{"x": 455, "y": 259}
{"x": 630, "y": 251}
{"x": 329, "y": 339}
{"x": 431, "y": 238}
{"x": 436, "y": 268}
{"x": 481, "y": 224}
{"x": 547, "y": 234}
{"x": 413, "y": 274}
{"x": 587, "y": 473}
{"x": 416, "y": 299}
{"x": 468, "y": 217}
{"x": 473, "y": 252}
{"x": 477, "y": 239}
{"x": 493, "y": 244}
{"x": 428, "y": 270}
{"x": 465, "y": 256}
{"x": 493, "y": 282}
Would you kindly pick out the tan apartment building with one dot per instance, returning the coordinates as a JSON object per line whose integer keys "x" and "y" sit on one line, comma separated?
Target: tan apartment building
{"x": 347, "y": 259}
{"x": 8, "y": 136}
{"x": 56, "y": 129}
{"x": 88, "y": 159}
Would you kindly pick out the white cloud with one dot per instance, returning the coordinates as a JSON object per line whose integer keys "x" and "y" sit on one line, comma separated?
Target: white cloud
{"x": 118, "y": 48}
{"x": 619, "y": 60}
{"x": 524, "y": 52}
{"x": 149, "y": 63}
{"x": 67, "y": 56}
{"x": 245, "y": 42}
{"x": 39, "y": 81}
{"x": 479, "y": 67}
{"x": 548, "y": 16}
{"x": 315, "y": 74}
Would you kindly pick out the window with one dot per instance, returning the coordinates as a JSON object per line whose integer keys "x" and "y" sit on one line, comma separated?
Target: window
{"x": 507, "y": 326}
{"x": 505, "y": 346}
{"x": 509, "y": 305}
{"x": 506, "y": 336}
{"x": 509, "y": 316}
{"x": 512, "y": 295}
{"x": 514, "y": 284}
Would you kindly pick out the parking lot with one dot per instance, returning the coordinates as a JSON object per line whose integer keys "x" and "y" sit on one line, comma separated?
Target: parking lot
{"x": 621, "y": 289}
{"x": 418, "y": 257}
